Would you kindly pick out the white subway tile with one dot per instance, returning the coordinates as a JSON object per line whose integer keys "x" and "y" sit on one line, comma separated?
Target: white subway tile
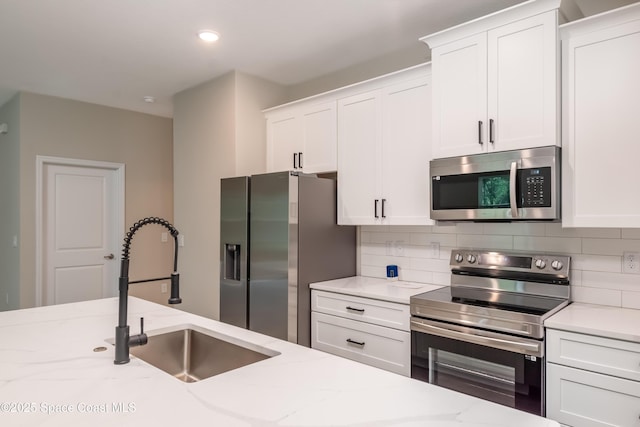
{"x": 410, "y": 228}
{"x": 469, "y": 228}
{"x": 383, "y": 261}
{"x": 631, "y": 299}
{"x": 444, "y": 228}
{"x": 389, "y": 237}
{"x": 596, "y": 296}
{"x": 609, "y": 246}
{"x": 372, "y": 271}
{"x": 484, "y": 241}
{"x": 610, "y": 263}
{"x": 372, "y": 249}
{"x": 426, "y": 239}
{"x": 576, "y": 277}
{"x": 556, "y": 230}
{"x": 515, "y": 229}
{"x": 631, "y": 233}
{"x": 569, "y": 245}
{"x": 416, "y": 276}
{"x": 441, "y": 279}
{"x": 375, "y": 228}
{"x": 617, "y": 281}
{"x": 435, "y": 265}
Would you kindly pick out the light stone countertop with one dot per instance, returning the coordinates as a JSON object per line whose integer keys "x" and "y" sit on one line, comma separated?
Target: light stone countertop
{"x": 47, "y": 364}
{"x": 371, "y": 287}
{"x": 601, "y": 320}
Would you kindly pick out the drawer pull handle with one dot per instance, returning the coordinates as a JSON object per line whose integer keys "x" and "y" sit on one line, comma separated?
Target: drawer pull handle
{"x": 360, "y": 343}
{"x": 359, "y": 310}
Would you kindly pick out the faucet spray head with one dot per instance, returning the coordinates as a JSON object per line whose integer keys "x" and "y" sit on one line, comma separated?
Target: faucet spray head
{"x": 175, "y": 289}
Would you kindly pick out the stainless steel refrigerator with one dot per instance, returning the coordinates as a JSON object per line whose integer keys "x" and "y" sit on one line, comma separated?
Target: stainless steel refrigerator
{"x": 278, "y": 233}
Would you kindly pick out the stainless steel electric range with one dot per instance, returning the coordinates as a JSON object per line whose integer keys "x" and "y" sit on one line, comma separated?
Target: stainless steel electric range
{"x": 484, "y": 334}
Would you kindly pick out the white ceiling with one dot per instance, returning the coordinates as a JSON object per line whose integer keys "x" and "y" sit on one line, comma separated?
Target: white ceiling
{"x": 115, "y": 52}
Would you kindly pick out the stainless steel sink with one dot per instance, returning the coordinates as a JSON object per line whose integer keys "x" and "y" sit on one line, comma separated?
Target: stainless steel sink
{"x": 191, "y": 355}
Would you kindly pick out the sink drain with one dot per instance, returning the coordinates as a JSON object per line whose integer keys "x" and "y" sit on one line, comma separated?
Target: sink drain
{"x": 99, "y": 349}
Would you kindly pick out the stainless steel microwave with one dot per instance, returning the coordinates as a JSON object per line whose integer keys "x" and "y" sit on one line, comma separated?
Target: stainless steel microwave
{"x": 519, "y": 185}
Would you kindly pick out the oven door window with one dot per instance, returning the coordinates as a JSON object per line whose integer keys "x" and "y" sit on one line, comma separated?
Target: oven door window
{"x": 501, "y": 376}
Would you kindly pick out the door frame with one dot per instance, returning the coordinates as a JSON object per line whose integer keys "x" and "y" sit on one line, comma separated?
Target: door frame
{"x": 119, "y": 208}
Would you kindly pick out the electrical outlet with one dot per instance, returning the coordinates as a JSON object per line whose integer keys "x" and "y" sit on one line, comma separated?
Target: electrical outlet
{"x": 631, "y": 262}
{"x": 181, "y": 240}
{"x": 434, "y": 249}
{"x": 398, "y": 248}
{"x": 164, "y": 237}
{"x": 163, "y": 288}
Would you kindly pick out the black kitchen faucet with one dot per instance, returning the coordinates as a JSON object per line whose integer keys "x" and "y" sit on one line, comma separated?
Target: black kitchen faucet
{"x": 123, "y": 340}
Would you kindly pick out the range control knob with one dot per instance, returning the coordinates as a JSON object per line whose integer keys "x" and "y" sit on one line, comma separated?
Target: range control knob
{"x": 540, "y": 263}
{"x": 557, "y": 265}
{"x": 471, "y": 258}
{"x": 458, "y": 258}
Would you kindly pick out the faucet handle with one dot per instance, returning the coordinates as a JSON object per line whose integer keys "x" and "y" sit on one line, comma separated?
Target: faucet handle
{"x": 141, "y": 338}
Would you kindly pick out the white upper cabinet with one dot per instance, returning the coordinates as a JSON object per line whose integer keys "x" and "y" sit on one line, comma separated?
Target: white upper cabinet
{"x": 384, "y": 152}
{"x": 460, "y": 97}
{"x": 302, "y": 137}
{"x": 601, "y": 101}
{"x": 495, "y": 82}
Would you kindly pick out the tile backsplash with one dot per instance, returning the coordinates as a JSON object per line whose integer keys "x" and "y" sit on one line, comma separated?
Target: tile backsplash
{"x": 422, "y": 253}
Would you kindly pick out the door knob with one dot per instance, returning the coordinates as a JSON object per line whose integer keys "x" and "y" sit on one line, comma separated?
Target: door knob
{"x": 110, "y": 256}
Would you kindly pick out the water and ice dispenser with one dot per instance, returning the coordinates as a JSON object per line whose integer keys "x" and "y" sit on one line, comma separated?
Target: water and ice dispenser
{"x": 231, "y": 261}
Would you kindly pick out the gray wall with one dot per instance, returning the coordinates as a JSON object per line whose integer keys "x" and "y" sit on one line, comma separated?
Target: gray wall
{"x": 417, "y": 53}
{"x": 59, "y": 127}
{"x": 219, "y": 131}
{"x": 9, "y": 206}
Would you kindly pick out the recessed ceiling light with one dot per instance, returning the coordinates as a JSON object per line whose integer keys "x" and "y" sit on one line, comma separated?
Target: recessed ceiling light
{"x": 149, "y": 99}
{"x": 208, "y": 35}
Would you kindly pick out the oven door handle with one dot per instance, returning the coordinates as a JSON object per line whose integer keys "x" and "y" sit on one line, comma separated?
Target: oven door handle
{"x": 528, "y": 348}
{"x": 513, "y": 201}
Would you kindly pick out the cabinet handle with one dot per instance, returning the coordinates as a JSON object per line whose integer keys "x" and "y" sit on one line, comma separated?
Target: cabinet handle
{"x": 360, "y": 343}
{"x": 491, "y": 131}
{"x": 480, "y": 132}
{"x": 359, "y": 310}
{"x": 294, "y": 160}
{"x": 383, "y": 215}
{"x": 300, "y": 160}
{"x": 375, "y": 209}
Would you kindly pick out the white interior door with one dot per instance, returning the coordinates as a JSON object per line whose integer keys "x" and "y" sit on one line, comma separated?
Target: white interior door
{"x": 80, "y": 232}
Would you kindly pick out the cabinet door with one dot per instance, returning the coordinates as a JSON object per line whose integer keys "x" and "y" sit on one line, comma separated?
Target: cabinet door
{"x": 585, "y": 399}
{"x": 406, "y": 151}
{"x": 284, "y": 138}
{"x": 460, "y": 97}
{"x": 320, "y": 138}
{"x": 601, "y": 127}
{"x": 522, "y": 83}
{"x": 359, "y": 134}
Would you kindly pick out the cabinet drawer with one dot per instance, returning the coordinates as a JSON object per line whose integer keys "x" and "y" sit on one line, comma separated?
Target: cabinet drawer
{"x": 585, "y": 399}
{"x": 598, "y": 354}
{"x": 374, "y": 345}
{"x": 381, "y": 313}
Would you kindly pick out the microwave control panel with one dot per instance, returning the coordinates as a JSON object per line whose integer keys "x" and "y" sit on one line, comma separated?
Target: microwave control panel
{"x": 535, "y": 187}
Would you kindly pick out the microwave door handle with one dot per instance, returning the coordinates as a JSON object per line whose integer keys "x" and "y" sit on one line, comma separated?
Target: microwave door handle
{"x": 512, "y": 189}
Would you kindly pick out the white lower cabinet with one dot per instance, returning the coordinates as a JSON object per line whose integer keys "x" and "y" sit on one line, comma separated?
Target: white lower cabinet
{"x": 352, "y": 327}
{"x": 592, "y": 381}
